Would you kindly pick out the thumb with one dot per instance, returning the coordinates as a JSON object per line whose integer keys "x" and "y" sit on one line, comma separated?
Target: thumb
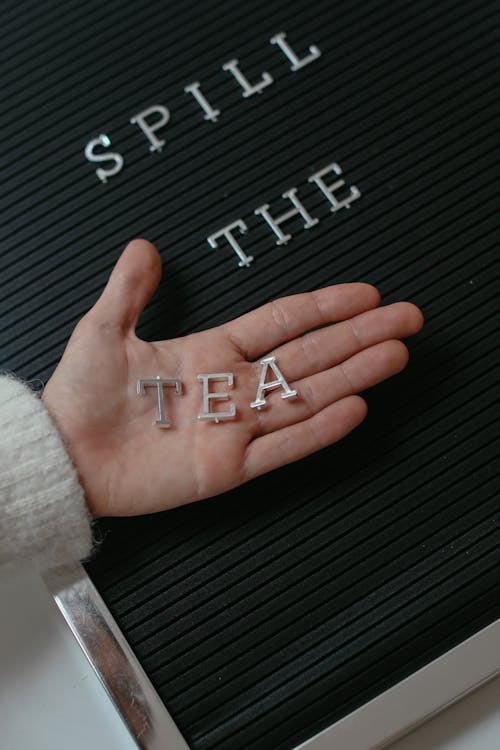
{"x": 132, "y": 282}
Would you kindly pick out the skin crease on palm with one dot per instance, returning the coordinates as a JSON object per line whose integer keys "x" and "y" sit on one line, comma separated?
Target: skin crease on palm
{"x": 330, "y": 345}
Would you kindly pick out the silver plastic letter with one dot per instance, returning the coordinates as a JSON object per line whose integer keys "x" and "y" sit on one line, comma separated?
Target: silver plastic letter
{"x": 280, "y": 382}
{"x": 328, "y": 190}
{"x": 208, "y": 396}
{"x": 299, "y": 208}
{"x": 210, "y": 113}
{"x": 248, "y": 89}
{"x": 227, "y": 233}
{"x": 149, "y": 129}
{"x": 297, "y": 63}
{"x": 159, "y": 383}
{"x": 101, "y": 173}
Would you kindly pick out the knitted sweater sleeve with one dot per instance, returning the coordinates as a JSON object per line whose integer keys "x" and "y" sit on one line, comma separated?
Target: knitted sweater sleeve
{"x": 44, "y": 521}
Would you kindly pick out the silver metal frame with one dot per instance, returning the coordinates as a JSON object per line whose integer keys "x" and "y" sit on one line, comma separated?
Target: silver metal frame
{"x": 416, "y": 699}
{"x": 371, "y": 727}
{"x": 113, "y": 661}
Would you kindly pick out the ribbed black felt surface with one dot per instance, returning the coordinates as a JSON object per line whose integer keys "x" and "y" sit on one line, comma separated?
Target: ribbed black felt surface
{"x": 264, "y": 615}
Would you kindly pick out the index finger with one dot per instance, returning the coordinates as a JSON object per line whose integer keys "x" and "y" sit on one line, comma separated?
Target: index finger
{"x": 284, "y": 319}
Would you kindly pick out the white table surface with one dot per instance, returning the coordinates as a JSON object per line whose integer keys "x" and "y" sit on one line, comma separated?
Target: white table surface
{"x": 50, "y": 699}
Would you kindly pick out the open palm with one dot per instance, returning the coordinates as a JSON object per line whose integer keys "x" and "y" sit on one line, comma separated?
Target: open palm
{"x": 330, "y": 344}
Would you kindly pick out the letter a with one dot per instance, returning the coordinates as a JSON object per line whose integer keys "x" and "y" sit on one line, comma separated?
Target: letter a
{"x": 270, "y": 362}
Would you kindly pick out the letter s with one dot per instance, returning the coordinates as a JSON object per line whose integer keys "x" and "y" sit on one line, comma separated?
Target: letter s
{"x": 103, "y": 174}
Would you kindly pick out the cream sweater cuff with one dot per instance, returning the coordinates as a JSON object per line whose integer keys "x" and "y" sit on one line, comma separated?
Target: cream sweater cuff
{"x": 44, "y": 521}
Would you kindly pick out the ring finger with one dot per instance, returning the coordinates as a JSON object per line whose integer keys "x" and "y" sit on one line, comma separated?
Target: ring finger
{"x": 361, "y": 371}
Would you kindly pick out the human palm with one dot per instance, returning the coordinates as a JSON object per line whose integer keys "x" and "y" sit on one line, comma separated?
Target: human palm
{"x": 329, "y": 344}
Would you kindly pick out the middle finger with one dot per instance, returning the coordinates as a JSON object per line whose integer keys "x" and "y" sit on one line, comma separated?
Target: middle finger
{"x": 326, "y": 347}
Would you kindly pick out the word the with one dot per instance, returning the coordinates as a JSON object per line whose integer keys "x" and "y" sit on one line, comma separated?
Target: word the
{"x": 157, "y": 116}
{"x": 227, "y": 233}
{"x": 161, "y": 383}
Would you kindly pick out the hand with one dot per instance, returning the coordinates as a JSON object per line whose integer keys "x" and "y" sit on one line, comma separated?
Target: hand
{"x": 129, "y": 466}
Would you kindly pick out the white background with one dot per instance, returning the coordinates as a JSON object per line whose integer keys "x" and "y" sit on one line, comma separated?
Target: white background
{"x": 50, "y": 698}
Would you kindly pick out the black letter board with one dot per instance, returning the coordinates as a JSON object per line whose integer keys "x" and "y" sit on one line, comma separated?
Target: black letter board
{"x": 264, "y": 615}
